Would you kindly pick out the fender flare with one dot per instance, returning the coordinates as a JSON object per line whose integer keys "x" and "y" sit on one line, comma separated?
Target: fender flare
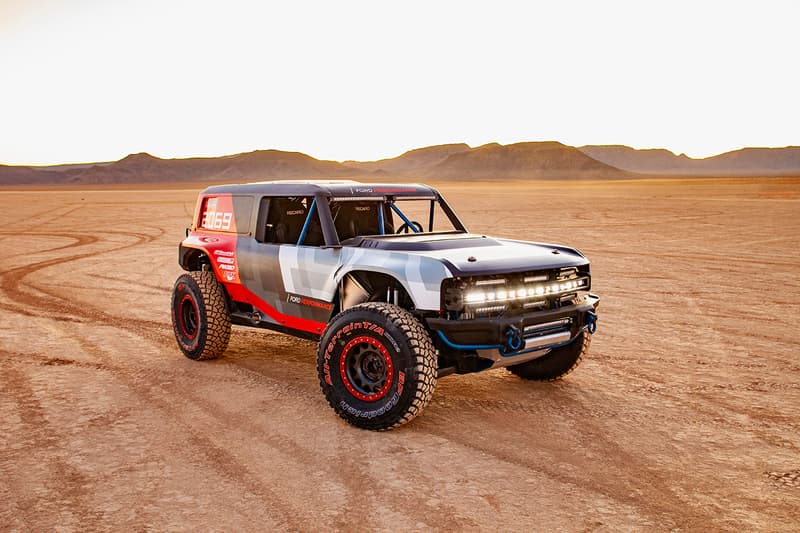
{"x": 188, "y": 254}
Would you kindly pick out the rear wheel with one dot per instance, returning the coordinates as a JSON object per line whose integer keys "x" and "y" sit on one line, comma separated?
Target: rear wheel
{"x": 557, "y": 363}
{"x": 200, "y": 316}
{"x": 377, "y": 366}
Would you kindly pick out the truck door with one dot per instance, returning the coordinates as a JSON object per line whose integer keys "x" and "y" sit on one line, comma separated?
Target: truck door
{"x": 293, "y": 284}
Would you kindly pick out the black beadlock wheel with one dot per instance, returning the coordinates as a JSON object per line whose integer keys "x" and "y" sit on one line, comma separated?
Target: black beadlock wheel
{"x": 377, "y": 366}
{"x": 200, "y": 316}
{"x": 557, "y": 363}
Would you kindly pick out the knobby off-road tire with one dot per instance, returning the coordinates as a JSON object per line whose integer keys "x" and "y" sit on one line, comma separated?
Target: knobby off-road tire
{"x": 377, "y": 366}
{"x": 200, "y": 316}
{"x": 556, "y": 364}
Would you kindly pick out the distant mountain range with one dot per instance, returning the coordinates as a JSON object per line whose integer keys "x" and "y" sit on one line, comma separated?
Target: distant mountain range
{"x": 528, "y": 160}
{"x": 744, "y": 162}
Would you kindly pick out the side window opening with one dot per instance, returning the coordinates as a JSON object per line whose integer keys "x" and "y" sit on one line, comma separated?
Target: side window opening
{"x": 354, "y": 219}
{"x": 285, "y": 218}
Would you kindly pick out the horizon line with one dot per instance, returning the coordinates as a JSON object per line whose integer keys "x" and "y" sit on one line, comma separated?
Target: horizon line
{"x": 343, "y": 161}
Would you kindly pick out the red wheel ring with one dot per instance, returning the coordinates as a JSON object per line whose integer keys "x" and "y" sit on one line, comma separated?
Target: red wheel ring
{"x": 187, "y": 312}
{"x": 387, "y": 371}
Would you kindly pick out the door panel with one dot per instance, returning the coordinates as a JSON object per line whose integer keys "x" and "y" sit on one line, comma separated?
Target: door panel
{"x": 294, "y": 280}
{"x": 308, "y": 271}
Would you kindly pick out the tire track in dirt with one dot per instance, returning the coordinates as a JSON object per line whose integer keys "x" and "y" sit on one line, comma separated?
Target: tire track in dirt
{"x": 10, "y": 280}
{"x": 359, "y": 484}
{"x": 223, "y": 462}
{"x": 52, "y": 214}
{"x": 17, "y": 387}
{"x": 44, "y": 360}
{"x": 217, "y": 457}
{"x": 712, "y": 409}
{"x": 441, "y": 516}
{"x": 135, "y": 283}
{"x": 656, "y": 486}
{"x": 13, "y": 281}
{"x": 484, "y": 407}
{"x": 706, "y": 400}
{"x": 346, "y": 472}
{"x": 655, "y": 497}
{"x": 142, "y": 238}
{"x": 79, "y": 240}
{"x": 55, "y": 289}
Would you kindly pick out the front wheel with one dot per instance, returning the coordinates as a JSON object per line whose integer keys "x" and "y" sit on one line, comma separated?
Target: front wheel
{"x": 377, "y": 366}
{"x": 557, "y": 363}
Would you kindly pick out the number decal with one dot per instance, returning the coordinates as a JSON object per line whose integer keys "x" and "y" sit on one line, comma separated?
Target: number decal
{"x": 216, "y": 216}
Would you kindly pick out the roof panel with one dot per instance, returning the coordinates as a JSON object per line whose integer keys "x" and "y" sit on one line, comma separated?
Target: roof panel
{"x": 325, "y": 187}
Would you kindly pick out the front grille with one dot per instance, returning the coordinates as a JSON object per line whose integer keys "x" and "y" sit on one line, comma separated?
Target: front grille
{"x": 515, "y": 293}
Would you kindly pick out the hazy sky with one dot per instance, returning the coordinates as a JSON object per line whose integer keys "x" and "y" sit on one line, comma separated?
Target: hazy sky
{"x": 89, "y": 80}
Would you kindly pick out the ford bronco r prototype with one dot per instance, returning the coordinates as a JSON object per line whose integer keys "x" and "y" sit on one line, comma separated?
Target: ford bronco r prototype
{"x": 390, "y": 283}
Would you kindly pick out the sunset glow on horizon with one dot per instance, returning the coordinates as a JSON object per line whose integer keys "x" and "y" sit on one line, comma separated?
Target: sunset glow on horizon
{"x": 93, "y": 80}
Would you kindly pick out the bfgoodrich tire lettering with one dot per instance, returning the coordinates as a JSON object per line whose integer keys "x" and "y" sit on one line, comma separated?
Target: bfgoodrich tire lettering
{"x": 377, "y": 366}
{"x": 556, "y": 364}
{"x": 200, "y": 316}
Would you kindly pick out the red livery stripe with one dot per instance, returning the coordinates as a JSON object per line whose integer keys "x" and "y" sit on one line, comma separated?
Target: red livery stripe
{"x": 241, "y": 293}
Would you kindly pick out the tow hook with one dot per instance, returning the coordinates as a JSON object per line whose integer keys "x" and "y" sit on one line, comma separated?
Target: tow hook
{"x": 514, "y": 341}
{"x": 591, "y": 322}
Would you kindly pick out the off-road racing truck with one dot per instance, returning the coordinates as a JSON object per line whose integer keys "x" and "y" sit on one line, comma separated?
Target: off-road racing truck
{"x": 389, "y": 282}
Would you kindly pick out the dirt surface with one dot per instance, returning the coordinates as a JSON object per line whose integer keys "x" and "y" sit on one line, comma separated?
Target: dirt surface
{"x": 685, "y": 416}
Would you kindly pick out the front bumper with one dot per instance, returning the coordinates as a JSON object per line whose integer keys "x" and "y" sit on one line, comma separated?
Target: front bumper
{"x": 494, "y": 332}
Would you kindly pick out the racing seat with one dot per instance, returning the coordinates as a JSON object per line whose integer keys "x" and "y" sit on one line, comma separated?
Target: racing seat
{"x": 353, "y": 219}
{"x": 285, "y": 220}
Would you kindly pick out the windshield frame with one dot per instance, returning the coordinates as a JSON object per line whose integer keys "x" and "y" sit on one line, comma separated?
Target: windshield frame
{"x": 392, "y": 201}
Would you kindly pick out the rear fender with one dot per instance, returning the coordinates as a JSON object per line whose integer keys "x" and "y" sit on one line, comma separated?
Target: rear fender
{"x": 219, "y": 248}
{"x": 192, "y": 259}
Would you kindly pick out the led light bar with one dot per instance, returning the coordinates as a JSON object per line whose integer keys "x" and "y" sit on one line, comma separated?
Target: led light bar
{"x": 537, "y": 303}
{"x": 492, "y": 294}
{"x": 482, "y": 282}
{"x": 489, "y": 309}
{"x": 540, "y": 277}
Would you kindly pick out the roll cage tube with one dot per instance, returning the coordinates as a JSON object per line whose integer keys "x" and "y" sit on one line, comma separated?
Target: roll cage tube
{"x": 454, "y": 220}
{"x": 307, "y": 223}
{"x": 457, "y": 224}
{"x": 405, "y": 218}
{"x": 320, "y": 205}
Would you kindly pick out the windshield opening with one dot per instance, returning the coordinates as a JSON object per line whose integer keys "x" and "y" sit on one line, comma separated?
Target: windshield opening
{"x": 373, "y": 217}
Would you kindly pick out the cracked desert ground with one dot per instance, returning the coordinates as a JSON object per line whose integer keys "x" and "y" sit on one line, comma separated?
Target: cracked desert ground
{"x": 685, "y": 416}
